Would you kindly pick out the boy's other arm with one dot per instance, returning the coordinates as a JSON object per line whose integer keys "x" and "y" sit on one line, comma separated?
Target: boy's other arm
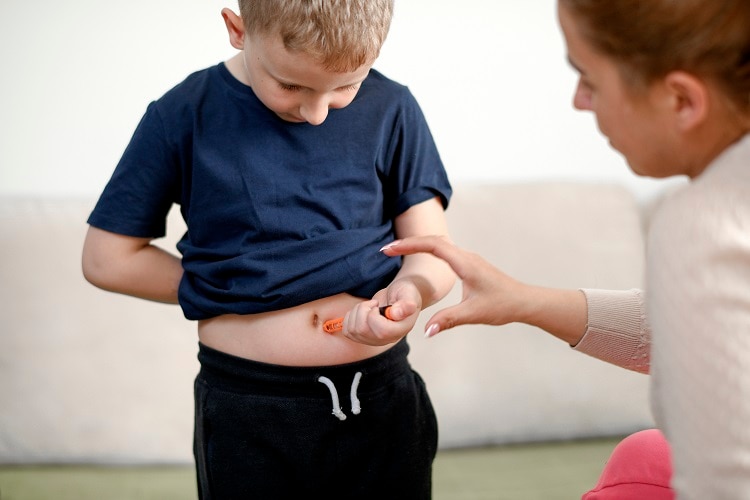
{"x": 131, "y": 266}
{"x": 432, "y": 277}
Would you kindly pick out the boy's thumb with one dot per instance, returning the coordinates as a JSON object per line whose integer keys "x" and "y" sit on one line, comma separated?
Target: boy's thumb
{"x": 400, "y": 311}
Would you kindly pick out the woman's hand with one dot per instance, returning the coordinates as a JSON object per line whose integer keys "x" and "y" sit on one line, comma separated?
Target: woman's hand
{"x": 491, "y": 297}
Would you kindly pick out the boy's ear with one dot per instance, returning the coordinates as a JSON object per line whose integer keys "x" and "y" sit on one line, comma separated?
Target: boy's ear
{"x": 235, "y": 28}
{"x": 689, "y": 99}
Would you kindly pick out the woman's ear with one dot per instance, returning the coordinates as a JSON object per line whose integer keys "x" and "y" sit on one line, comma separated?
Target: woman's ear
{"x": 235, "y": 28}
{"x": 689, "y": 99}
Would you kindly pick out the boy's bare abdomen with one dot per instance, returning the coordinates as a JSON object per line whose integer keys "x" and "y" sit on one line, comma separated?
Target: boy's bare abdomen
{"x": 292, "y": 337}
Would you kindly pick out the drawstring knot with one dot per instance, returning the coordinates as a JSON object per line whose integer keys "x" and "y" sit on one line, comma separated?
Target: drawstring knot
{"x": 337, "y": 411}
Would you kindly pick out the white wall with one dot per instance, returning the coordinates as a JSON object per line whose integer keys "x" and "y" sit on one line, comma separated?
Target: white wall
{"x": 490, "y": 75}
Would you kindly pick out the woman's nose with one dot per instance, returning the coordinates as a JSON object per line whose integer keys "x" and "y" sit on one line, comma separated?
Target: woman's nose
{"x": 582, "y": 98}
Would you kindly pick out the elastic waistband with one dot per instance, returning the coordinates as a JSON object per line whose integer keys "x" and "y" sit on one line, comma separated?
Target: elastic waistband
{"x": 226, "y": 371}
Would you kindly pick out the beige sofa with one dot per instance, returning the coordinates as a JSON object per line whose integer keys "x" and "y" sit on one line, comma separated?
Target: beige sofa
{"x": 90, "y": 376}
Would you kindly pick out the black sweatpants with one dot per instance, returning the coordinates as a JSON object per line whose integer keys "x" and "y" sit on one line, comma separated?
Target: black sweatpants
{"x": 269, "y": 432}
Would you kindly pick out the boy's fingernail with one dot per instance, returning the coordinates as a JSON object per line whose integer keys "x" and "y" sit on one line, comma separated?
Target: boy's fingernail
{"x": 433, "y": 330}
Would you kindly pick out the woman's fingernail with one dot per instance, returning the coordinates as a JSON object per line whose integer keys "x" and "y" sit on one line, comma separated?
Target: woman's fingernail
{"x": 389, "y": 245}
{"x": 433, "y": 330}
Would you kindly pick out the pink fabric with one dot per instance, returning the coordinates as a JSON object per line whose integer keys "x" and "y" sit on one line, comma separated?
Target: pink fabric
{"x": 640, "y": 468}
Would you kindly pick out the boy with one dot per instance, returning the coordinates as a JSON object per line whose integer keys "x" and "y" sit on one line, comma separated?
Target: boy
{"x": 292, "y": 164}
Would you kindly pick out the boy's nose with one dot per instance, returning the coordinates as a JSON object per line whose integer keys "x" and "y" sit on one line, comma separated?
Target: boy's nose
{"x": 314, "y": 111}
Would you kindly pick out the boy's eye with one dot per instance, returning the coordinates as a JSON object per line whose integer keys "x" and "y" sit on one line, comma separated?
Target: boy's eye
{"x": 288, "y": 87}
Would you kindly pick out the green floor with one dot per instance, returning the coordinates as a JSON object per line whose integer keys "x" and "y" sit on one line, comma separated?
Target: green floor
{"x": 547, "y": 471}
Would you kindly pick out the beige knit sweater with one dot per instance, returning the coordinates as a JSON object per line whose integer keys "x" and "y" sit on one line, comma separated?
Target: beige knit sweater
{"x": 693, "y": 328}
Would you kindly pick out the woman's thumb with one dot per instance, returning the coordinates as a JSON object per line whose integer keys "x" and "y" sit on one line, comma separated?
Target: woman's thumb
{"x": 444, "y": 319}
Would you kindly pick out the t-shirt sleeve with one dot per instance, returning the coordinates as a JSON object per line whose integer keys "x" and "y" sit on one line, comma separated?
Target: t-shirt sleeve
{"x": 418, "y": 169}
{"x": 144, "y": 185}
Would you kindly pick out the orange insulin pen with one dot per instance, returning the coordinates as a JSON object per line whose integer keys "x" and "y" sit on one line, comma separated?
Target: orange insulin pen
{"x": 336, "y": 325}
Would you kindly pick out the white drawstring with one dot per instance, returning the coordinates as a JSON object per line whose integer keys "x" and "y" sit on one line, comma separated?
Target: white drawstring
{"x": 356, "y": 409}
{"x": 353, "y": 394}
{"x": 334, "y": 397}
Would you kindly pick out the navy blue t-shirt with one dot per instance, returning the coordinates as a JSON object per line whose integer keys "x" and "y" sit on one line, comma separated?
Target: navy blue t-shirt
{"x": 278, "y": 214}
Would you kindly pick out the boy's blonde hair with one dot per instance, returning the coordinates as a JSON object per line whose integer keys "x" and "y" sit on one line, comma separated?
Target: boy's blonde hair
{"x": 342, "y": 35}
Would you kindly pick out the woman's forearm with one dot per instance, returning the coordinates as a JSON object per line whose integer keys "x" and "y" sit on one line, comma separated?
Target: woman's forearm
{"x": 562, "y": 313}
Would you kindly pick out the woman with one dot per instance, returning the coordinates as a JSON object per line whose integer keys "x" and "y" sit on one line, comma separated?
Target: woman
{"x": 669, "y": 84}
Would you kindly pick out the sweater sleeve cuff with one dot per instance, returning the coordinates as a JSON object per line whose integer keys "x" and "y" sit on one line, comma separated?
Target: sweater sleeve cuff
{"x": 617, "y": 331}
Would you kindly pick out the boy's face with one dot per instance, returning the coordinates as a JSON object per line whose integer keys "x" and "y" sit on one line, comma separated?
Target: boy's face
{"x": 293, "y": 85}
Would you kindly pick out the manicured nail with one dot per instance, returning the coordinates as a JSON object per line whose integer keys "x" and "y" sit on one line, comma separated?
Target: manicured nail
{"x": 389, "y": 245}
{"x": 433, "y": 330}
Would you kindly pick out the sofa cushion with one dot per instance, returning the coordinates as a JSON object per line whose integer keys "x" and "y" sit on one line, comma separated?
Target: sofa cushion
{"x": 92, "y": 376}
{"x": 85, "y": 375}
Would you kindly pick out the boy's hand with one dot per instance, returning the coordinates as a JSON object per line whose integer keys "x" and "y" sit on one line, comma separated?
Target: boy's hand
{"x": 365, "y": 323}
